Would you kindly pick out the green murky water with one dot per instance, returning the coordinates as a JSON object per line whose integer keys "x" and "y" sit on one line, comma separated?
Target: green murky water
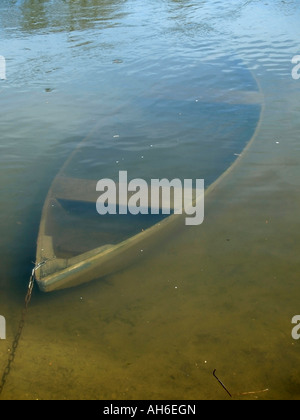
{"x": 181, "y": 97}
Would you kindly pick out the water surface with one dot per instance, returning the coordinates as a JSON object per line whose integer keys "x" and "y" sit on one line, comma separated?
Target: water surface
{"x": 167, "y": 89}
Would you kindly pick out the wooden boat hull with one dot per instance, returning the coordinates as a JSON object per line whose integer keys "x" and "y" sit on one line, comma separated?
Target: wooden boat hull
{"x": 67, "y": 262}
{"x": 59, "y": 273}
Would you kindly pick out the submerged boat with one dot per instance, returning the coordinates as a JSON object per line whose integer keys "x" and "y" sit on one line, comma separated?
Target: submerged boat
{"x": 75, "y": 245}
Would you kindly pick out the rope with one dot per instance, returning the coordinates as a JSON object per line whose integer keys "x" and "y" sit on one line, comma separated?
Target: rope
{"x": 15, "y": 343}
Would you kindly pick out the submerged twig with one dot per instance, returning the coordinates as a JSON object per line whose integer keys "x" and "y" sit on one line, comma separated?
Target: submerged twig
{"x": 255, "y": 392}
{"x": 221, "y": 383}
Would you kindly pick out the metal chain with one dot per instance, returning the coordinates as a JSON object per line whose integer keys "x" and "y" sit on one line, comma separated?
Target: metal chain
{"x": 15, "y": 343}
